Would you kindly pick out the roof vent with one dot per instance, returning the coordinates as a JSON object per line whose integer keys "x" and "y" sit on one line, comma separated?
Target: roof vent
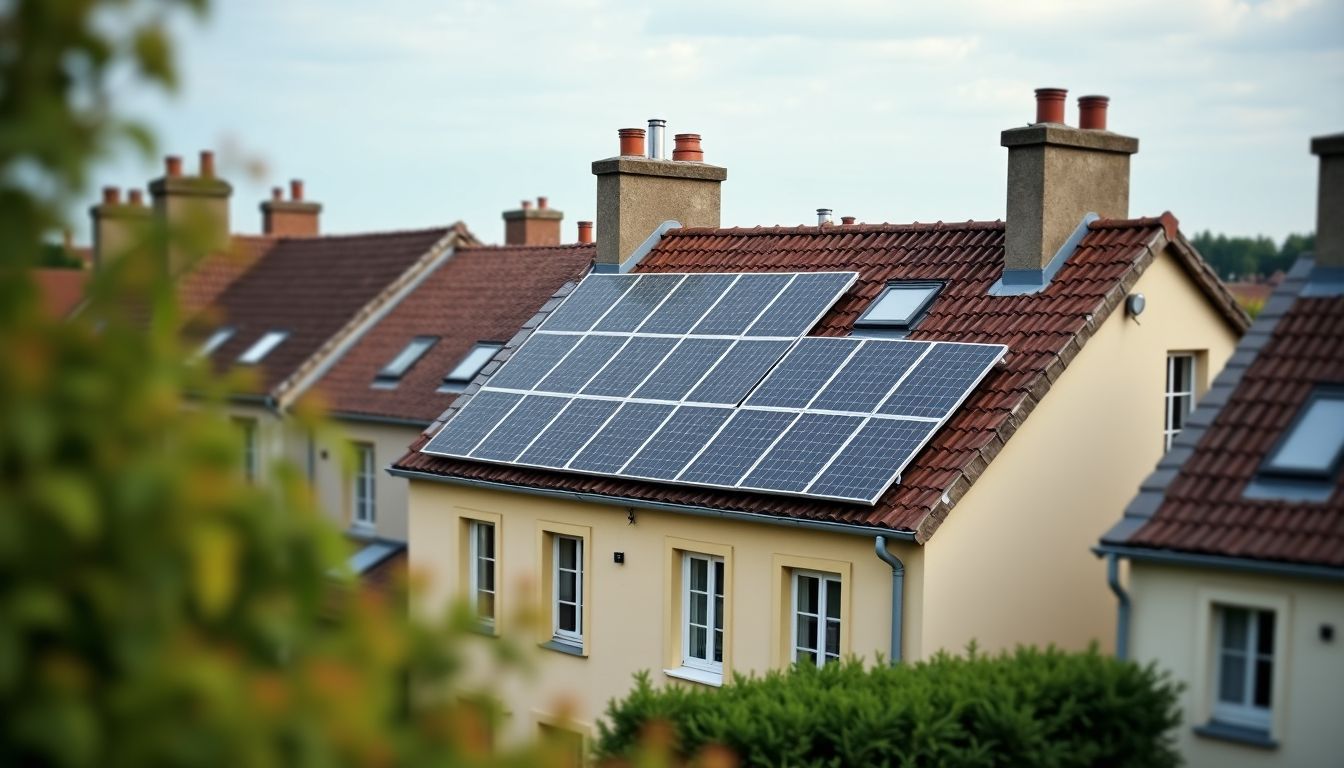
{"x": 657, "y": 128}
{"x": 823, "y": 217}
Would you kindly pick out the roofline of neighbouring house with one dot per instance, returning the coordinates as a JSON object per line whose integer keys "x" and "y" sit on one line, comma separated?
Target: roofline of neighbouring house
{"x": 658, "y": 506}
{"x": 1222, "y": 562}
{"x": 373, "y": 418}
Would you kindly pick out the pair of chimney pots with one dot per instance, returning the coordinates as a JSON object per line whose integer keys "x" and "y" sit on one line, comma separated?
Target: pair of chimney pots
{"x": 1091, "y": 109}
{"x": 686, "y": 149}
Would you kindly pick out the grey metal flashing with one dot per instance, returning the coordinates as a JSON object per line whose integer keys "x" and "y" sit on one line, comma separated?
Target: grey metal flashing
{"x": 897, "y": 597}
{"x": 658, "y": 506}
{"x": 1017, "y": 282}
{"x": 370, "y": 418}
{"x": 640, "y": 252}
{"x": 562, "y": 647}
{"x": 1237, "y": 734}
{"x": 1153, "y": 489}
{"x": 266, "y": 401}
{"x": 1220, "y": 562}
{"x": 1325, "y": 282}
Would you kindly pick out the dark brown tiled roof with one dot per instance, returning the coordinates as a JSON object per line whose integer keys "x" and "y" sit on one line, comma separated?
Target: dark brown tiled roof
{"x": 61, "y": 290}
{"x": 311, "y": 287}
{"x": 1043, "y": 332}
{"x": 479, "y": 294}
{"x": 1195, "y": 501}
{"x": 208, "y": 279}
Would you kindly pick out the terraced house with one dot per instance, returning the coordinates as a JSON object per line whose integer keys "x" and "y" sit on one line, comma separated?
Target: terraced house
{"x": 1235, "y": 544}
{"x": 730, "y": 449}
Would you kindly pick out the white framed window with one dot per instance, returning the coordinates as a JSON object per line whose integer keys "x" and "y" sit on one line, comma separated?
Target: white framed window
{"x": 247, "y": 431}
{"x": 470, "y": 365}
{"x": 262, "y": 347}
{"x": 702, "y": 612}
{"x": 567, "y": 589}
{"x": 1180, "y": 395}
{"x": 816, "y": 617}
{"x": 482, "y": 575}
{"x": 409, "y": 355}
{"x": 900, "y": 305}
{"x": 215, "y": 341}
{"x": 1244, "y": 666}
{"x": 365, "y": 509}
{"x": 1313, "y": 445}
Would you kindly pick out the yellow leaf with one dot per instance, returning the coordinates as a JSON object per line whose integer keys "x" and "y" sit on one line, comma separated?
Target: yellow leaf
{"x": 215, "y": 564}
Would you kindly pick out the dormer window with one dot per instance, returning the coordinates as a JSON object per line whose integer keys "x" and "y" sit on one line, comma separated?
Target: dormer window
{"x": 215, "y": 341}
{"x": 466, "y": 370}
{"x": 1312, "y": 446}
{"x": 391, "y": 373}
{"x": 262, "y": 347}
{"x": 900, "y": 306}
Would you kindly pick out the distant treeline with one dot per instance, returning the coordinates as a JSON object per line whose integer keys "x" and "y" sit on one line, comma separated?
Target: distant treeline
{"x": 1242, "y": 258}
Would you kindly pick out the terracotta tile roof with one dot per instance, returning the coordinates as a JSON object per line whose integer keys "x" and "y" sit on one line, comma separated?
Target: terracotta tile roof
{"x": 61, "y": 289}
{"x": 1195, "y": 501}
{"x": 479, "y": 294}
{"x": 204, "y": 283}
{"x": 1043, "y": 332}
{"x": 311, "y": 287}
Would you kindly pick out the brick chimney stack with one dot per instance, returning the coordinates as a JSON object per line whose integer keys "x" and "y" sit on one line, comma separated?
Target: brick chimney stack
{"x": 528, "y": 225}
{"x": 197, "y": 205}
{"x": 637, "y": 194}
{"x": 294, "y": 217}
{"x": 1330, "y": 205}
{"x": 1056, "y": 175}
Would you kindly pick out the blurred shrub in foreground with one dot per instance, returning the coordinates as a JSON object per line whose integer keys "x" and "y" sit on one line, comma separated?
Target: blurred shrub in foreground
{"x": 1031, "y": 707}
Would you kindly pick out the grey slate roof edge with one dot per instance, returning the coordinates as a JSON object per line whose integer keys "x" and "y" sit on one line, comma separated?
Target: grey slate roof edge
{"x": 1154, "y": 488}
{"x": 501, "y": 357}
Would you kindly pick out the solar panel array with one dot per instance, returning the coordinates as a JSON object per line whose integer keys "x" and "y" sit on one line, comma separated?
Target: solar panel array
{"x": 706, "y": 379}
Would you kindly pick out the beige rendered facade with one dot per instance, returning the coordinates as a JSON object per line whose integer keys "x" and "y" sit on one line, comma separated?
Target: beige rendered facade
{"x": 1172, "y": 625}
{"x": 1010, "y": 565}
{"x": 336, "y": 464}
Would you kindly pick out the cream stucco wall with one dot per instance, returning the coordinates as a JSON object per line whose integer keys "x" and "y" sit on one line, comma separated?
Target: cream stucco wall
{"x": 1171, "y": 624}
{"x": 631, "y": 606}
{"x": 1011, "y": 564}
{"x": 276, "y": 438}
{"x": 335, "y": 482}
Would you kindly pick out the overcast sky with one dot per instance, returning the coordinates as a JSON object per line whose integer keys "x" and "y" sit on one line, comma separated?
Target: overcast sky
{"x": 402, "y": 114}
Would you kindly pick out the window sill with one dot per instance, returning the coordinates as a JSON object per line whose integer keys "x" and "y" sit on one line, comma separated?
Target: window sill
{"x": 363, "y": 530}
{"x": 704, "y": 677}
{"x": 1240, "y": 734}
{"x": 483, "y": 629}
{"x": 564, "y": 647}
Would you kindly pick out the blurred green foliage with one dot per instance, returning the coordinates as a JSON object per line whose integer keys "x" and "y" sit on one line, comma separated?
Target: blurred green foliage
{"x": 155, "y": 607}
{"x": 1242, "y": 258}
{"x": 1029, "y": 708}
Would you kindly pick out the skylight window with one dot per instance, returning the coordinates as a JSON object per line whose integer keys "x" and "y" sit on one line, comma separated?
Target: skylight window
{"x": 215, "y": 341}
{"x": 262, "y": 347}
{"x": 1314, "y": 443}
{"x": 900, "y": 306}
{"x": 475, "y": 360}
{"x": 407, "y": 357}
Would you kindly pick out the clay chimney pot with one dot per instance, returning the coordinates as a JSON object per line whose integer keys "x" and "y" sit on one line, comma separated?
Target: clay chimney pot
{"x": 207, "y": 164}
{"x": 277, "y": 194}
{"x": 632, "y": 142}
{"x": 542, "y": 203}
{"x": 136, "y": 197}
{"x": 111, "y": 195}
{"x": 172, "y": 166}
{"x": 1050, "y": 105}
{"x": 585, "y": 231}
{"x": 296, "y": 189}
{"x": 847, "y": 220}
{"x": 1092, "y": 112}
{"x": 687, "y": 148}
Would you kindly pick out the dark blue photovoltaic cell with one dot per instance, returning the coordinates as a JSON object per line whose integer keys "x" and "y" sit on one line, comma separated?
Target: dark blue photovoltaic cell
{"x": 801, "y": 304}
{"x": 532, "y": 361}
{"x": 628, "y": 369}
{"x": 622, "y": 436}
{"x": 802, "y": 452}
{"x": 587, "y": 359}
{"x": 689, "y": 429}
{"x": 638, "y": 302}
{"x": 691, "y": 360}
{"x": 941, "y": 380}
{"x": 869, "y": 375}
{"x": 870, "y": 462}
{"x": 739, "y": 371}
{"x": 471, "y": 423}
{"x": 737, "y": 447}
{"x": 567, "y": 434}
{"x": 802, "y": 373}
{"x": 586, "y": 304}
{"x": 741, "y": 304}
{"x": 517, "y": 430}
{"x": 695, "y": 295}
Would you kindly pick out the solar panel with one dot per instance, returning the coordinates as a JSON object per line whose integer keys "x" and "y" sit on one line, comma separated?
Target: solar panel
{"x": 703, "y": 379}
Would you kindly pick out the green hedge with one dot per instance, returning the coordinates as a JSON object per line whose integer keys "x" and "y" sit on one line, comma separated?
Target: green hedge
{"x": 1028, "y": 708}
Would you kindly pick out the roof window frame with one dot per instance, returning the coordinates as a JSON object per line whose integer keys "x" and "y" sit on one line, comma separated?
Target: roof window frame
{"x": 217, "y": 339}
{"x": 260, "y": 349}
{"x": 387, "y": 377}
{"x": 1267, "y": 470}
{"x": 935, "y": 289}
{"x": 452, "y": 383}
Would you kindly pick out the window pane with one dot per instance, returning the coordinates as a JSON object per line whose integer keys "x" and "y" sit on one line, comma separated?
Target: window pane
{"x": 699, "y": 609}
{"x": 485, "y": 605}
{"x": 699, "y": 575}
{"x": 567, "y": 584}
{"x": 807, "y": 631}
{"x": 807, "y": 594}
{"x": 1316, "y": 439}
{"x": 833, "y": 598}
{"x": 474, "y": 361}
{"x": 718, "y": 645}
{"x": 568, "y": 553}
{"x": 485, "y": 574}
{"x": 1232, "y": 678}
{"x": 1234, "y": 628}
{"x": 1184, "y": 367}
{"x": 697, "y": 643}
{"x": 567, "y": 618}
{"x": 718, "y": 611}
{"x": 1264, "y": 640}
{"x": 485, "y": 539}
{"x": 898, "y": 303}
{"x": 718, "y": 577}
{"x": 807, "y": 657}
{"x": 1264, "y": 682}
{"x": 833, "y": 637}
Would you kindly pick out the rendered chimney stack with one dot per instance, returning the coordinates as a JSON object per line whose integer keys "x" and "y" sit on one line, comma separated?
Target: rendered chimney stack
{"x": 687, "y": 148}
{"x": 824, "y": 217}
{"x": 117, "y": 225}
{"x": 294, "y": 217}
{"x": 1056, "y": 175}
{"x": 657, "y": 150}
{"x": 1330, "y": 212}
{"x": 636, "y": 196}
{"x": 197, "y": 204}
{"x": 533, "y": 226}
{"x": 632, "y": 142}
{"x": 585, "y": 232}
{"x": 1092, "y": 112}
